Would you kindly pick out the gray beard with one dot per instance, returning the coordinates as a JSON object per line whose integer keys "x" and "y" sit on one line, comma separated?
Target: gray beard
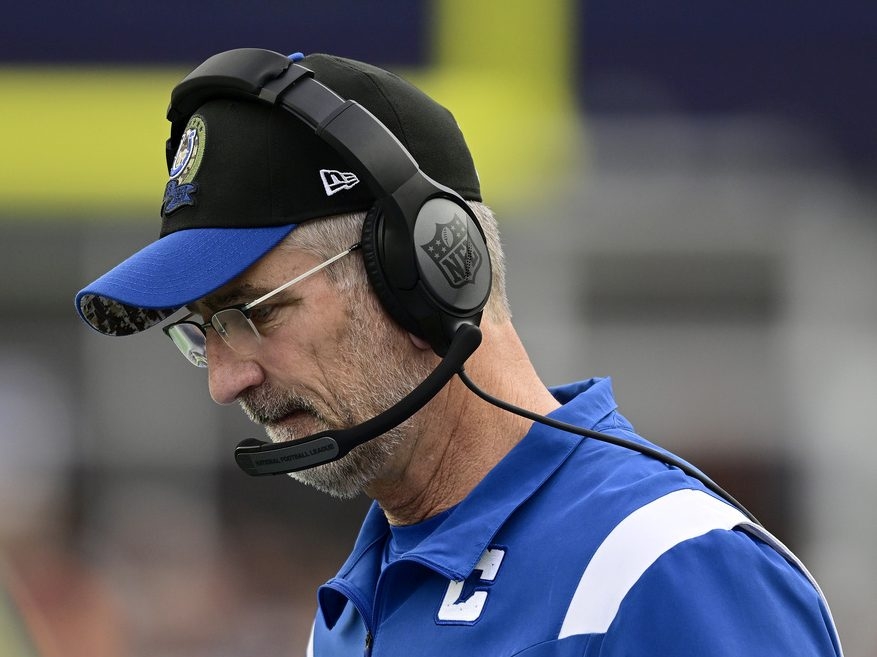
{"x": 379, "y": 375}
{"x": 349, "y": 476}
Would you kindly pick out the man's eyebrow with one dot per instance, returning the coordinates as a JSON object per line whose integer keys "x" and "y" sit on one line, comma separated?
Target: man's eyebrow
{"x": 234, "y": 296}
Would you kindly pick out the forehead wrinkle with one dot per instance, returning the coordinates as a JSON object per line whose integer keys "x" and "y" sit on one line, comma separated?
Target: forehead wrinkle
{"x": 233, "y": 295}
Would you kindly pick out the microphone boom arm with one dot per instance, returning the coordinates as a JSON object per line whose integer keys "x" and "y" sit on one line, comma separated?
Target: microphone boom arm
{"x": 257, "y": 458}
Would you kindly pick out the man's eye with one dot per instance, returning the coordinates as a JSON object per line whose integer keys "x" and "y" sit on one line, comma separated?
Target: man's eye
{"x": 261, "y": 314}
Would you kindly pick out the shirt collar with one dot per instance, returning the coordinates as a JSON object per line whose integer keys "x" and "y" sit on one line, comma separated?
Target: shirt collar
{"x": 457, "y": 544}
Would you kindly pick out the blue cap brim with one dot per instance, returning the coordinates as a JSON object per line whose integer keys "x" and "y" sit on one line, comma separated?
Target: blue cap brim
{"x": 171, "y": 272}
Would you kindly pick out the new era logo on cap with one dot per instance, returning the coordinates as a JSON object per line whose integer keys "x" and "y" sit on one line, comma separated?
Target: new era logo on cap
{"x": 336, "y": 181}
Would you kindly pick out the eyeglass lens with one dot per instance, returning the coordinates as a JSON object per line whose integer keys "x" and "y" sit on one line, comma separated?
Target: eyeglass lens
{"x": 237, "y": 330}
{"x": 232, "y": 326}
{"x": 189, "y": 339}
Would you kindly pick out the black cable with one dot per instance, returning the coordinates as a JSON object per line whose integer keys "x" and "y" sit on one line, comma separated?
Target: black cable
{"x": 664, "y": 457}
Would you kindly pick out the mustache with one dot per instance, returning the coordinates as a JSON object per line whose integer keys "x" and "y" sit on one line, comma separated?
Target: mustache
{"x": 265, "y": 405}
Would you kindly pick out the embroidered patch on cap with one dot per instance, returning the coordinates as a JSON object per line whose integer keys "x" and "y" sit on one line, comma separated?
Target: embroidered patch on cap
{"x": 180, "y": 188}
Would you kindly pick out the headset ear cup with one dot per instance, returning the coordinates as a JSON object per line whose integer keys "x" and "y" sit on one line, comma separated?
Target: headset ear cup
{"x": 372, "y": 259}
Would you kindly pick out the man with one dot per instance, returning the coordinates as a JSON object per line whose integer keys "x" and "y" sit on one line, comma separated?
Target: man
{"x": 333, "y": 290}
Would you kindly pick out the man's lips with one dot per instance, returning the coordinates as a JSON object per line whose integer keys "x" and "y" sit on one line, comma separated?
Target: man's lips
{"x": 293, "y": 416}
{"x": 295, "y": 424}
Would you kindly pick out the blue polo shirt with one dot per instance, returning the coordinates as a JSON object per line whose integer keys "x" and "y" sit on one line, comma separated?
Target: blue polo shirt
{"x": 571, "y": 546}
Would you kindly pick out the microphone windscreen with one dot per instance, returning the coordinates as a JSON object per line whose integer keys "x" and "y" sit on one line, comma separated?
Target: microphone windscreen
{"x": 251, "y": 442}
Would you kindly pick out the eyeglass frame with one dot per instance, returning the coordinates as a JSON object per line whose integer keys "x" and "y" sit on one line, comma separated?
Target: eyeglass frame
{"x": 200, "y": 359}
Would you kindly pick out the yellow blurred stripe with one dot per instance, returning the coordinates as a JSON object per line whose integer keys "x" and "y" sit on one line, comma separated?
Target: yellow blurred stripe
{"x": 83, "y": 142}
{"x": 89, "y": 142}
{"x": 505, "y": 69}
{"x": 532, "y": 39}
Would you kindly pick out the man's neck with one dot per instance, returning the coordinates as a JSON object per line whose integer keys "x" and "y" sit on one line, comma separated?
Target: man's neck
{"x": 458, "y": 438}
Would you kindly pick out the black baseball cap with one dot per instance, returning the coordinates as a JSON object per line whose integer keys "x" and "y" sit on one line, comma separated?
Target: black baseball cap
{"x": 245, "y": 173}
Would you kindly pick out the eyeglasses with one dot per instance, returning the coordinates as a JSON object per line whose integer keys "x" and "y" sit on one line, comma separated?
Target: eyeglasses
{"x": 233, "y": 324}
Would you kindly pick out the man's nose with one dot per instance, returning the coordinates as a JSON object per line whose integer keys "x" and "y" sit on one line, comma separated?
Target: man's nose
{"x": 228, "y": 373}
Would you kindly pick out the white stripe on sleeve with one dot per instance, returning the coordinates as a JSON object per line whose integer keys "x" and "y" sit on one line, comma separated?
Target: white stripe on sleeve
{"x": 634, "y": 545}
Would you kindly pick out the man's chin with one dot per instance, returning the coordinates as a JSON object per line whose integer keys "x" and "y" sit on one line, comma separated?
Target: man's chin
{"x": 335, "y": 478}
{"x": 288, "y": 430}
{"x": 356, "y": 472}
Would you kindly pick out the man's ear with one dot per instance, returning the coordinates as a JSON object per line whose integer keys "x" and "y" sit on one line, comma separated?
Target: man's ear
{"x": 420, "y": 343}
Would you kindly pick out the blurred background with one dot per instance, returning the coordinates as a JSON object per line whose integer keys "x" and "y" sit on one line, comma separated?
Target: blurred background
{"x": 687, "y": 195}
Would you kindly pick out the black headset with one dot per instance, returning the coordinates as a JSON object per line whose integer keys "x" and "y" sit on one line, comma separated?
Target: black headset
{"x": 411, "y": 211}
{"x": 429, "y": 296}
{"x": 439, "y": 301}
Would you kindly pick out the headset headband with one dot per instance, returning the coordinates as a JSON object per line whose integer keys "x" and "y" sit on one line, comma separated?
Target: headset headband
{"x": 254, "y": 74}
{"x": 412, "y": 209}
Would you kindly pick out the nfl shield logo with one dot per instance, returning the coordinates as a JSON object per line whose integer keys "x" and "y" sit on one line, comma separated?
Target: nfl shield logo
{"x": 452, "y": 251}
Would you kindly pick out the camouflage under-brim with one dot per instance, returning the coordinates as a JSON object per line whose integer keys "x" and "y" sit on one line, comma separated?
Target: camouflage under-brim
{"x": 114, "y": 318}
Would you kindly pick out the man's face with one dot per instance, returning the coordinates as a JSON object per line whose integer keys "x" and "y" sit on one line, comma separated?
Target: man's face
{"x": 329, "y": 359}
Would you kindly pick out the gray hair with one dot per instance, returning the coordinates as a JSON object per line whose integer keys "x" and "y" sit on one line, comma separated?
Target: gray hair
{"x": 330, "y": 235}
